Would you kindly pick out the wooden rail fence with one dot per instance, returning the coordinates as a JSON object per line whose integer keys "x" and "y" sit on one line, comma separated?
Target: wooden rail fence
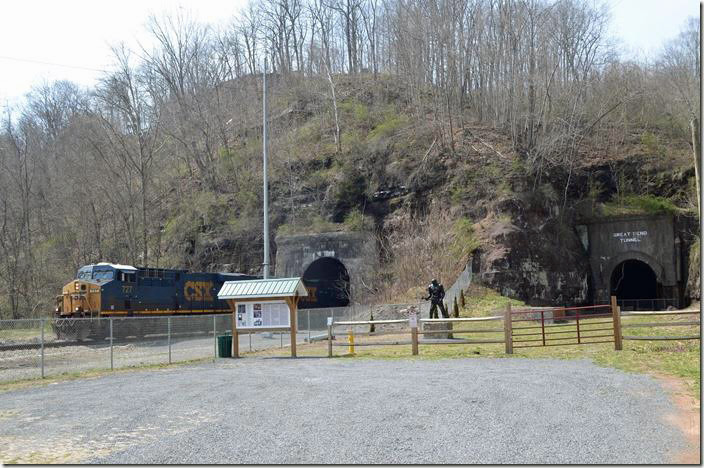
{"x": 522, "y": 328}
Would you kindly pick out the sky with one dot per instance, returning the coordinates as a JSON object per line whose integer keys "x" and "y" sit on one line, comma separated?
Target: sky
{"x": 44, "y": 40}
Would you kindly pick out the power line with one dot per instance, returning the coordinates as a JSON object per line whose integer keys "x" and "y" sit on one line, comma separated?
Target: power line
{"x": 17, "y": 59}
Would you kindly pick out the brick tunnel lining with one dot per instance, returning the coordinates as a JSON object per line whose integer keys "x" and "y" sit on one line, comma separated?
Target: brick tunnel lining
{"x": 328, "y": 283}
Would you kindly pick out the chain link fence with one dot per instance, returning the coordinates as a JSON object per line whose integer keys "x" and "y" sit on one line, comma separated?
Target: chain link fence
{"x": 37, "y": 348}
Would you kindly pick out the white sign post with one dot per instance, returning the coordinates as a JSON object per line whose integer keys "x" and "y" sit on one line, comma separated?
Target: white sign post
{"x": 413, "y": 323}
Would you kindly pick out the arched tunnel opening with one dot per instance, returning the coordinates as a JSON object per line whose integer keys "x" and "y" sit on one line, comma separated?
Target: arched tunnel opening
{"x": 635, "y": 286}
{"x": 328, "y": 284}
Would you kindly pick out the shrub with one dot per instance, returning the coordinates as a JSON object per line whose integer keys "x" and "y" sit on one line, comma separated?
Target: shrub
{"x": 390, "y": 123}
{"x": 314, "y": 225}
{"x": 464, "y": 242}
{"x": 357, "y": 221}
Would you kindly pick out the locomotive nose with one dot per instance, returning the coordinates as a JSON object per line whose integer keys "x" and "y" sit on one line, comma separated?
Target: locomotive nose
{"x": 79, "y": 298}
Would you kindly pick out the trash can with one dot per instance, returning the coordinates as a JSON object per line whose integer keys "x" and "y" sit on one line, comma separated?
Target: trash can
{"x": 225, "y": 346}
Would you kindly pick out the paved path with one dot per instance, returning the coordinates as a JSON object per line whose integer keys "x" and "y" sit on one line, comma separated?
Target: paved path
{"x": 316, "y": 410}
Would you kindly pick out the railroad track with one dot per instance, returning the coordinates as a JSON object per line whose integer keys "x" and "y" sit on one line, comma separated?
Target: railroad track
{"x": 103, "y": 342}
{"x": 50, "y": 344}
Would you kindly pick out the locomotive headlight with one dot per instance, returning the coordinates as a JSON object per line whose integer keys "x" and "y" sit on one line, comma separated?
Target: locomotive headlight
{"x": 76, "y": 285}
{"x": 76, "y": 309}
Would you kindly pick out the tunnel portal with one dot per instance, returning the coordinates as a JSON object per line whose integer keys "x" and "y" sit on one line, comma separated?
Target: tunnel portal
{"x": 635, "y": 285}
{"x": 638, "y": 259}
{"x": 328, "y": 284}
{"x": 336, "y": 267}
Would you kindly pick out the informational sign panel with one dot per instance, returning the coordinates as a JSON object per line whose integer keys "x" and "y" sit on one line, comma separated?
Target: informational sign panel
{"x": 263, "y": 315}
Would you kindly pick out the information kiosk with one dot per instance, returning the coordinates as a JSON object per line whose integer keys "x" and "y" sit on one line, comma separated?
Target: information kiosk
{"x": 269, "y": 305}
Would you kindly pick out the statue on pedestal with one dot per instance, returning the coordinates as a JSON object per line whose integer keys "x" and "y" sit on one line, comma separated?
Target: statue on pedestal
{"x": 436, "y": 293}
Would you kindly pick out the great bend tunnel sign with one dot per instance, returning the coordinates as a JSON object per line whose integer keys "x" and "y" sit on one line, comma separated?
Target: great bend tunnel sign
{"x": 629, "y": 236}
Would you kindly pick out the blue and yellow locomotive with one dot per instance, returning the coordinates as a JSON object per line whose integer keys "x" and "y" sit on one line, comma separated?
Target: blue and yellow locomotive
{"x": 112, "y": 290}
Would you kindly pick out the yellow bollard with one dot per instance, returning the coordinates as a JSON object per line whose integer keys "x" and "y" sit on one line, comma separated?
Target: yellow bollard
{"x": 350, "y": 340}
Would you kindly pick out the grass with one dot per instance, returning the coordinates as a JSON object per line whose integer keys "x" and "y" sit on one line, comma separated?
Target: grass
{"x": 639, "y": 204}
{"x": 485, "y": 302}
{"x": 88, "y": 374}
{"x": 27, "y": 334}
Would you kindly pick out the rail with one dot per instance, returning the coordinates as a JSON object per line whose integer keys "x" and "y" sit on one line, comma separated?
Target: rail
{"x": 646, "y": 304}
{"x": 415, "y": 331}
{"x": 628, "y": 322}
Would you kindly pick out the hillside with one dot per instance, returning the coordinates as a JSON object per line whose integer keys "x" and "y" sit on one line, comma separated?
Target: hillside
{"x": 394, "y": 177}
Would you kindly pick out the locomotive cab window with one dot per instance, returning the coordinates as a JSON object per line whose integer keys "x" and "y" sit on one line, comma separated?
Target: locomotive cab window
{"x": 127, "y": 277}
{"x": 83, "y": 274}
{"x": 105, "y": 275}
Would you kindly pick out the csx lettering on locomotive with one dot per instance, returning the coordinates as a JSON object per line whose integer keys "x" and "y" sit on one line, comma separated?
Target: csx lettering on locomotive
{"x": 198, "y": 291}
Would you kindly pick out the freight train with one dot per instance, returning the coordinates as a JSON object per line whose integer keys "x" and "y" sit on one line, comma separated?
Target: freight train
{"x": 112, "y": 290}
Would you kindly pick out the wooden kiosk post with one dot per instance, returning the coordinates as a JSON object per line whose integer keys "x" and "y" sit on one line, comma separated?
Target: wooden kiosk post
{"x": 267, "y": 305}
{"x": 235, "y": 334}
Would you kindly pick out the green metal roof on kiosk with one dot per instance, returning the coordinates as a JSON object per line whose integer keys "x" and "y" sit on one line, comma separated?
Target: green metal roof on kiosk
{"x": 263, "y": 288}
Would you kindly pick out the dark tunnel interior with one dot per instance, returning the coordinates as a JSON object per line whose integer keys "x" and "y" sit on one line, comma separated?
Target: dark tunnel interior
{"x": 328, "y": 284}
{"x": 632, "y": 280}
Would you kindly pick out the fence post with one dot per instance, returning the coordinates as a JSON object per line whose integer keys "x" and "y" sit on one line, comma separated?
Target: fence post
{"x": 308, "y": 314}
{"x": 542, "y": 323}
{"x": 111, "y": 338}
{"x": 250, "y": 341}
{"x": 616, "y": 312}
{"x": 168, "y": 325}
{"x": 413, "y": 322}
{"x": 508, "y": 330}
{"x": 42, "y": 325}
{"x": 215, "y": 339}
{"x": 329, "y": 337}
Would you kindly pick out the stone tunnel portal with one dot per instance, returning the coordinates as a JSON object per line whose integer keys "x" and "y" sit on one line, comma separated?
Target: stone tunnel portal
{"x": 328, "y": 284}
{"x": 638, "y": 259}
{"x": 635, "y": 284}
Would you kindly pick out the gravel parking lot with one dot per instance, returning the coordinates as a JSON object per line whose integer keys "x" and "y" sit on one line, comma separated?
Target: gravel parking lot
{"x": 316, "y": 410}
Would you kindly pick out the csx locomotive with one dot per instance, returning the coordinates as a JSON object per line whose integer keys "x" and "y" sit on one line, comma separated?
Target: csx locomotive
{"x": 111, "y": 290}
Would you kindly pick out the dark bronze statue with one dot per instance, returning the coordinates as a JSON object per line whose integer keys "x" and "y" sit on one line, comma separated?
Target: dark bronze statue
{"x": 436, "y": 294}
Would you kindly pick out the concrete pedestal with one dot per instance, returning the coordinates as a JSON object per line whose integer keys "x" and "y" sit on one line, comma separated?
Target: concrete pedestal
{"x": 437, "y": 326}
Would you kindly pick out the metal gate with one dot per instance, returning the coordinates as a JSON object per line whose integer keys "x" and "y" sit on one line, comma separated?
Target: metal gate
{"x": 562, "y": 326}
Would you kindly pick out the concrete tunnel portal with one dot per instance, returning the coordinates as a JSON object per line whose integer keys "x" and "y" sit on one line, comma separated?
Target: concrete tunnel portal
{"x": 334, "y": 266}
{"x": 328, "y": 284}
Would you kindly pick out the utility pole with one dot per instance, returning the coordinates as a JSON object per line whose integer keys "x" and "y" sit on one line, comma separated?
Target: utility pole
{"x": 266, "y": 188}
